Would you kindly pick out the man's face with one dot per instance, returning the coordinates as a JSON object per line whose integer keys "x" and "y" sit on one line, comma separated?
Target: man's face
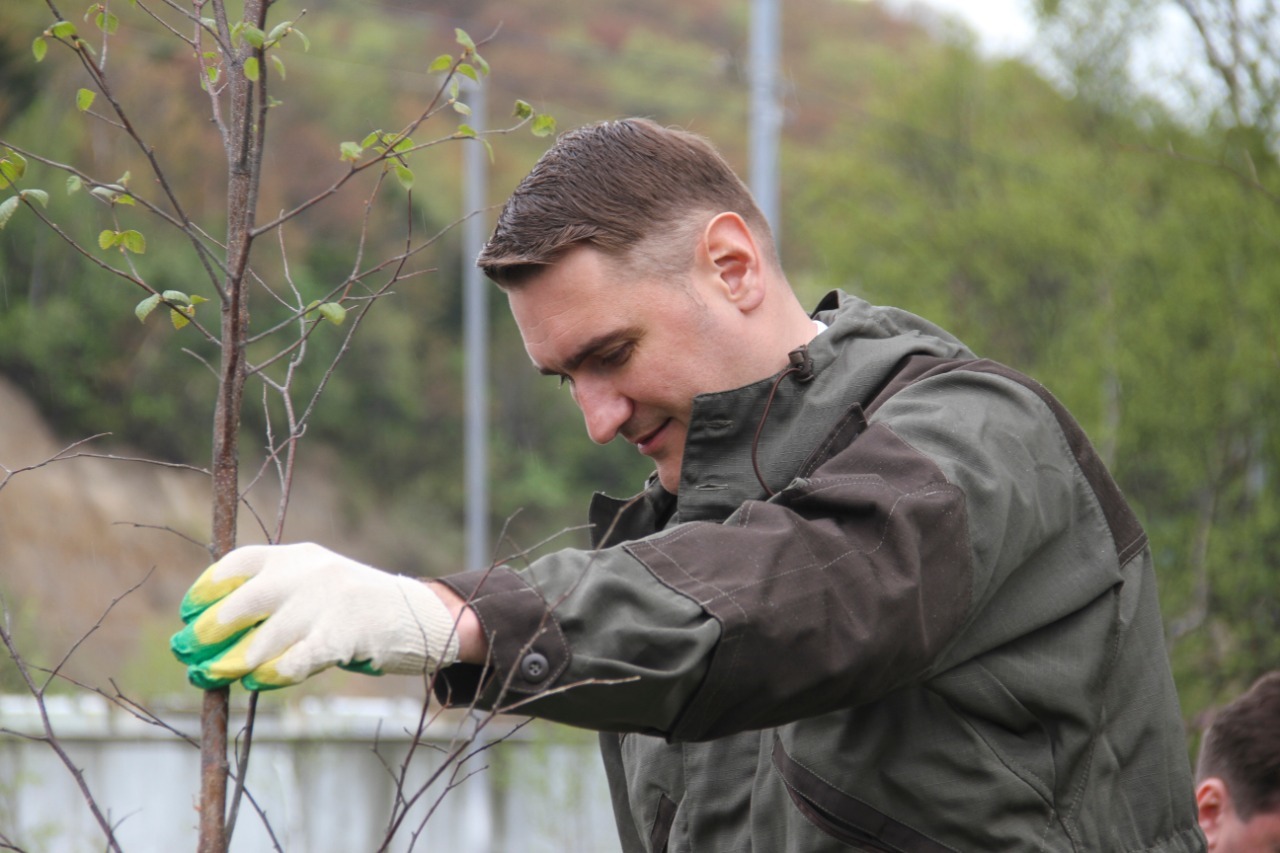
{"x": 633, "y": 351}
{"x": 1226, "y": 832}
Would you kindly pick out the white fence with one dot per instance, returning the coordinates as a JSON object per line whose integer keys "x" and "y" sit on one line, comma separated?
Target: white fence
{"x": 314, "y": 771}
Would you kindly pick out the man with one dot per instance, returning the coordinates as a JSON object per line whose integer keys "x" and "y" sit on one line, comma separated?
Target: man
{"x": 1238, "y": 773}
{"x": 878, "y": 594}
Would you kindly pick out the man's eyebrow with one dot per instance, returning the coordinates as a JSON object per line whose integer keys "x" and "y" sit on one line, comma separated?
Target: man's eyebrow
{"x": 590, "y": 348}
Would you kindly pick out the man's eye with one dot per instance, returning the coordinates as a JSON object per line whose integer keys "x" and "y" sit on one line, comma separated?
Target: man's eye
{"x": 617, "y": 357}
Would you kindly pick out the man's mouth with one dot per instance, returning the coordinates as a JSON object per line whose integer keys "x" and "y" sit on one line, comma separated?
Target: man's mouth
{"x": 647, "y": 442}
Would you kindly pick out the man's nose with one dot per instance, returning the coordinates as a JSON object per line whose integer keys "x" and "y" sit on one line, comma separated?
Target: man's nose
{"x": 604, "y": 409}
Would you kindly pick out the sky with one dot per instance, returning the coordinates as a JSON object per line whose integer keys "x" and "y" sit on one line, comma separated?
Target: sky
{"x": 1160, "y": 64}
{"x": 1004, "y": 27}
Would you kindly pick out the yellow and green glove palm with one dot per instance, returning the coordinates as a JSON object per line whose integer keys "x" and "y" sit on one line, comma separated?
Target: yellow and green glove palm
{"x": 273, "y": 615}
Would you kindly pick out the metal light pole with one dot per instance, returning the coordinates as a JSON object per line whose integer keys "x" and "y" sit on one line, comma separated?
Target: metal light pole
{"x": 476, "y": 340}
{"x": 766, "y": 112}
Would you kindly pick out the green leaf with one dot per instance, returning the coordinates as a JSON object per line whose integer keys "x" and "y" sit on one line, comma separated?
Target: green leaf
{"x": 467, "y": 71}
{"x": 84, "y": 99}
{"x": 253, "y": 35}
{"x": 124, "y": 198}
{"x": 105, "y": 193}
{"x": 306, "y": 42}
{"x": 74, "y": 184}
{"x": 371, "y": 139}
{"x": 350, "y": 151}
{"x": 333, "y": 312}
{"x": 251, "y": 68}
{"x": 405, "y": 175}
{"x": 7, "y": 207}
{"x": 39, "y": 195}
{"x": 454, "y": 86}
{"x": 107, "y": 22}
{"x": 134, "y": 242}
{"x": 279, "y": 31}
{"x": 176, "y": 296}
{"x": 39, "y": 47}
{"x": 12, "y": 167}
{"x": 481, "y": 64}
{"x": 144, "y": 308}
{"x": 440, "y": 63}
{"x": 107, "y": 239}
{"x": 279, "y": 64}
{"x": 523, "y": 109}
{"x": 197, "y": 299}
{"x": 488, "y": 148}
{"x": 213, "y": 73}
{"x": 405, "y": 144}
{"x": 465, "y": 40}
{"x": 461, "y": 108}
{"x": 311, "y": 306}
{"x": 63, "y": 29}
{"x": 544, "y": 125}
{"x": 180, "y": 318}
{"x": 466, "y": 130}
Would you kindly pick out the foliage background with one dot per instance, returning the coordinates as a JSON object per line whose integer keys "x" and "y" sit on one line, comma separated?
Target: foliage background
{"x": 1077, "y": 230}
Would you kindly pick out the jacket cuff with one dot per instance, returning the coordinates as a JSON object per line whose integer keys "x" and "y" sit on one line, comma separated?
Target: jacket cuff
{"x": 527, "y": 650}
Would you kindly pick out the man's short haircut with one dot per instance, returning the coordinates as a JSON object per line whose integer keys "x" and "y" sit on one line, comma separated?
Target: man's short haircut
{"x": 1242, "y": 748}
{"x": 631, "y": 189}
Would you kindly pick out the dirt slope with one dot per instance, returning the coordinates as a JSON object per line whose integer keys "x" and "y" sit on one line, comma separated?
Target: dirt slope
{"x": 70, "y": 543}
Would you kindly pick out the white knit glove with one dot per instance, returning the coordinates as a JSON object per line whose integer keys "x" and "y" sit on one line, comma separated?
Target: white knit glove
{"x": 273, "y": 615}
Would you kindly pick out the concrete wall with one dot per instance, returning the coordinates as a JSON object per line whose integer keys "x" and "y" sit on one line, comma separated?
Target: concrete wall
{"x": 315, "y": 772}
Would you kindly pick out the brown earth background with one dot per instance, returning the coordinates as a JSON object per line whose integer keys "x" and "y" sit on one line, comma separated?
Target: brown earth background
{"x": 78, "y": 533}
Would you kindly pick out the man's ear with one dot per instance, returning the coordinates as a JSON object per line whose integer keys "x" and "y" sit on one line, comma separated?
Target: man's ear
{"x": 733, "y": 260}
{"x": 1213, "y": 806}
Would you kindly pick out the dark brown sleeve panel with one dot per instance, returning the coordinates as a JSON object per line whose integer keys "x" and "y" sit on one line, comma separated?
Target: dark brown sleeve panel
{"x": 835, "y": 592}
{"x": 527, "y": 649}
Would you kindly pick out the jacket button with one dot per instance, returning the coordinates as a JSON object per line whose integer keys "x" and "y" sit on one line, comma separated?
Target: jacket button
{"x": 534, "y": 667}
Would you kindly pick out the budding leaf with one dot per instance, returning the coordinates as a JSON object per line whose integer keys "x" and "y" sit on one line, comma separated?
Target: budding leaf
{"x": 144, "y": 308}
{"x": 405, "y": 175}
{"x": 333, "y": 312}
{"x": 467, "y": 71}
{"x": 39, "y": 195}
{"x": 74, "y": 184}
{"x": 134, "y": 242}
{"x": 461, "y": 108}
{"x": 63, "y": 29}
{"x": 251, "y": 68}
{"x": 279, "y": 64}
{"x": 107, "y": 239}
{"x": 440, "y": 63}
{"x": 481, "y": 64}
{"x": 465, "y": 40}
{"x": 107, "y": 22}
{"x": 252, "y": 34}
{"x": 176, "y": 296}
{"x": 350, "y": 151}
{"x": 180, "y": 318}
{"x": 466, "y": 130}
{"x": 7, "y": 207}
{"x": 279, "y": 30}
{"x": 12, "y": 167}
{"x": 39, "y": 47}
{"x": 84, "y": 99}
{"x": 523, "y": 109}
{"x": 544, "y": 125}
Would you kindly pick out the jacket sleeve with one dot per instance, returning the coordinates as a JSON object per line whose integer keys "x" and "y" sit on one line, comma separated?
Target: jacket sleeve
{"x": 851, "y": 582}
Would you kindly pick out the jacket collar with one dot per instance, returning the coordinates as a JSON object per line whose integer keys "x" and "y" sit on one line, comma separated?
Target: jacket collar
{"x": 850, "y": 361}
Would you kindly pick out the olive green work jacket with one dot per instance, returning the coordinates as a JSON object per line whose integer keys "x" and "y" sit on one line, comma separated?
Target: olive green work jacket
{"x": 940, "y": 632}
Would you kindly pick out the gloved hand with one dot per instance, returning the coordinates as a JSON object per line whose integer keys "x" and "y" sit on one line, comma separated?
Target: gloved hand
{"x": 273, "y": 615}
